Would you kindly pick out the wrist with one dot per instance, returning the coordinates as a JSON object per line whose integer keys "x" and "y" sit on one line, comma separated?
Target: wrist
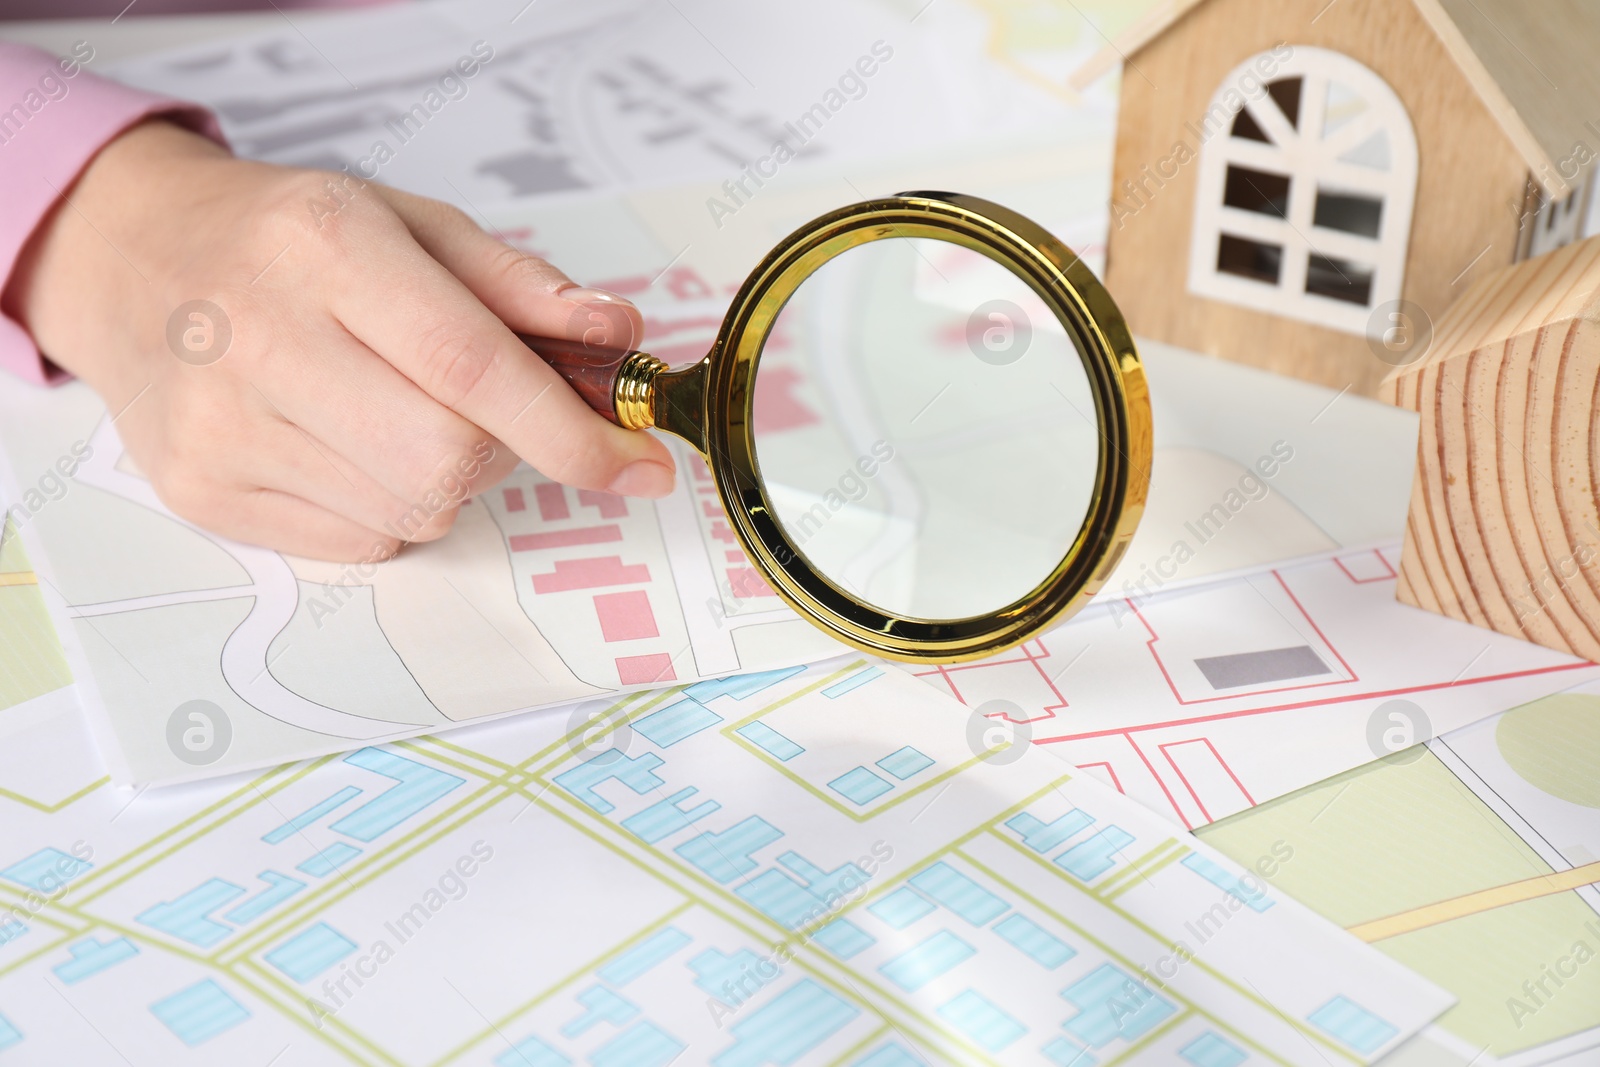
{"x": 95, "y": 260}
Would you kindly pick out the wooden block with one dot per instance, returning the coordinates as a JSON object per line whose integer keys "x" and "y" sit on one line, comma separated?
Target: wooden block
{"x": 1504, "y": 529}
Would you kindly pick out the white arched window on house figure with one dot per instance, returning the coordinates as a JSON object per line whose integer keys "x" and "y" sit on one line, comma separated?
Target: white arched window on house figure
{"x": 1306, "y": 188}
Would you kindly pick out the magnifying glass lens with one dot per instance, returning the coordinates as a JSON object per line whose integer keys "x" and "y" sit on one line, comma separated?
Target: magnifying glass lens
{"x": 926, "y": 420}
{"x": 925, "y": 429}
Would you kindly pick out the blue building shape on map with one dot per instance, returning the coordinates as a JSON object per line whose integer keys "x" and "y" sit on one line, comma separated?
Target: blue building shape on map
{"x": 795, "y": 901}
{"x": 844, "y": 938}
{"x": 901, "y": 908}
{"x": 733, "y": 978}
{"x": 600, "y": 1005}
{"x": 890, "y": 1055}
{"x": 1064, "y": 1053}
{"x": 906, "y": 763}
{"x": 310, "y": 816}
{"x": 1112, "y": 1005}
{"x": 1346, "y": 1021}
{"x": 860, "y": 786}
{"x": 280, "y": 887}
{"x": 667, "y": 816}
{"x": 1094, "y": 856}
{"x": 90, "y": 957}
{"x": 981, "y": 1020}
{"x": 1046, "y": 949}
{"x": 855, "y": 681}
{"x": 531, "y": 1052}
{"x": 676, "y": 722}
{"x": 739, "y": 686}
{"x": 310, "y": 952}
{"x": 46, "y": 871}
{"x": 1255, "y": 898}
{"x": 931, "y": 958}
{"x": 200, "y": 1012}
{"x": 788, "y": 1026}
{"x": 1210, "y": 1050}
{"x": 726, "y": 855}
{"x": 416, "y": 787}
{"x": 769, "y": 741}
{"x": 960, "y": 894}
{"x": 325, "y": 861}
{"x": 188, "y": 918}
{"x": 642, "y": 1045}
{"x": 1044, "y": 836}
{"x": 635, "y": 772}
{"x": 641, "y": 958}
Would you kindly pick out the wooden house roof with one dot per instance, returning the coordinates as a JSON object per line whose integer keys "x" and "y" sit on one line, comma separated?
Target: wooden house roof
{"x": 1531, "y": 62}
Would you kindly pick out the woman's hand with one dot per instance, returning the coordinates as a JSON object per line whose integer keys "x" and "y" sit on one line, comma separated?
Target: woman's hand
{"x": 304, "y": 361}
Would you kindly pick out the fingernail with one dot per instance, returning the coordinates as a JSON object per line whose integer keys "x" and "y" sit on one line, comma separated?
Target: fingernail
{"x": 643, "y": 478}
{"x": 583, "y": 295}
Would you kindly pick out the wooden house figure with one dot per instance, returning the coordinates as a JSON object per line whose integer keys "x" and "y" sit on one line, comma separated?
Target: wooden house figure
{"x": 1504, "y": 525}
{"x": 1288, "y": 171}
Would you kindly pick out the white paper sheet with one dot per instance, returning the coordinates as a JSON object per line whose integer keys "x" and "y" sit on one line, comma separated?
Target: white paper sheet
{"x": 759, "y": 870}
{"x": 540, "y": 596}
{"x": 564, "y": 95}
{"x": 1206, "y": 701}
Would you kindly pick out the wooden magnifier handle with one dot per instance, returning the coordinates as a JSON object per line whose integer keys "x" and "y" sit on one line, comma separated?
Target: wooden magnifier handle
{"x": 616, "y": 382}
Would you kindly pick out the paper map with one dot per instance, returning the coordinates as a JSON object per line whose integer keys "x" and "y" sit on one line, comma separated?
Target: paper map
{"x": 1206, "y": 701}
{"x": 1487, "y": 841}
{"x": 541, "y": 595}
{"x": 605, "y": 936}
{"x": 512, "y": 896}
{"x": 602, "y": 94}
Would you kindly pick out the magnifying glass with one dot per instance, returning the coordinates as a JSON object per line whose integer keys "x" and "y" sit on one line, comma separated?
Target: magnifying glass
{"x": 926, "y": 420}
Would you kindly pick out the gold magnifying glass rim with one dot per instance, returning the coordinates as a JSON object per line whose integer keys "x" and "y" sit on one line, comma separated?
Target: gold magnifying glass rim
{"x": 1121, "y": 399}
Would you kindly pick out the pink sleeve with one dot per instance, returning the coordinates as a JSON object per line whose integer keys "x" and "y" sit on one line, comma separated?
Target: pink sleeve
{"x": 54, "y": 117}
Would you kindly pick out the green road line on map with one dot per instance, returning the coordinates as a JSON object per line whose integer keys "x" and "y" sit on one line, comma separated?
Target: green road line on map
{"x": 363, "y": 872}
{"x": 1249, "y": 995}
{"x": 953, "y": 848}
{"x": 882, "y": 1032}
{"x": 374, "y": 865}
{"x": 621, "y": 703}
{"x": 1140, "y": 870}
{"x": 887, "y": 887}
{"x": 1132, "y": 868}
{"x": 1127, "y": 1054}
{"x": 142, "y": 937}
{"x": 1255, "y": 998}
{"x": 863, "y": 816}
{"x": 251, "y": 788}
{"x": 810, "y": 966}
{"x": 1127, "y": 964}
{"x": 821, "y": 683}
{"x": 432, "y": 741}
{"x": 41, "y": 913}
{"x": 22, "y": 961}
{"x": 731, "y": 731}
{"x": 51, "y": 809}
{"x": 294, "y": 1016}
{"x": 449, "y": 761}
{"x": 860, "y": 1046}
{"x": 804, "y": 935}
{"x": 570, "y": 978}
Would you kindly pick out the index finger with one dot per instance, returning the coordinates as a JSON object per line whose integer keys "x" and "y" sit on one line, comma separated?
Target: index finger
{"x": 406, "y": 307}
